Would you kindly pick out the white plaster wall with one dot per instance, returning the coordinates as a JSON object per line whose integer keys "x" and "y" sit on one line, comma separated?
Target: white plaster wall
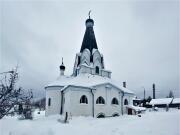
{"x": 129, "y": 97}
{"x": 77, "y": 109}
{"x": 67, "y": 101}
{"x": 108, "y": 94}
{"x": 72, "y": 104}
{"x": 106, "y": 73}
{"x": 54, "y": 94}
{"x": 85, "y": 57}
{"x": 84, "y": 69}
{"x": 93, "y": 71}
{"x": 74, "y": 108}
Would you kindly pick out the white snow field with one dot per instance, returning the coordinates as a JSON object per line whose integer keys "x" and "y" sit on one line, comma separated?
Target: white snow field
{"x": 150, "y": 123}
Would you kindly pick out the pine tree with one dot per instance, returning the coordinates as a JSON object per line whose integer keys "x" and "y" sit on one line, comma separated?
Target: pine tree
{"x": 171, "y": 95}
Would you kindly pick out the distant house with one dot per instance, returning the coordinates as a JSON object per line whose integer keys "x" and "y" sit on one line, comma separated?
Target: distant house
{"x": 161, "y": 102}
{"x": 133, "y": 110}
{"x": 142, "y": 102}
{"x": 137, "y": 102}
{"x": 175, "y": 103}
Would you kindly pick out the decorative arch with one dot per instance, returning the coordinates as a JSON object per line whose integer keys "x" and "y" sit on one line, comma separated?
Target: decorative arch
{"x": 125, "y": 102}
{"x": 85, "y": 57}
{"x": 83, "y": 99}
{"x": 114, "y": 101}
{"x": 101, "y": 115}
{"x": 96, "y": 57}
{"x": 100, "y": 100}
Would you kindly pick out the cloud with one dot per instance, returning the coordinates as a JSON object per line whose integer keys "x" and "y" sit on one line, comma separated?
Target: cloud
{"x": 139, "y": 41}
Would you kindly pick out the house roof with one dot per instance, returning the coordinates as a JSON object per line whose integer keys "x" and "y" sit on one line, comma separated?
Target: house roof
{"x": 176, "y": 101}
{"x": 161, "y": 101}
{"x": 137, "y": 108}
{"x": 86, "y": 80}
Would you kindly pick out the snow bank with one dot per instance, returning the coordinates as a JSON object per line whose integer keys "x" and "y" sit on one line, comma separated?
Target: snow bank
{"x": 151, "y": 123}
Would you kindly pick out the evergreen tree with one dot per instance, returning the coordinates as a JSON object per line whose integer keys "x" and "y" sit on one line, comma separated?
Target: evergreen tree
{"x": 171, "y": 95}
{"x": 149, "y": 99}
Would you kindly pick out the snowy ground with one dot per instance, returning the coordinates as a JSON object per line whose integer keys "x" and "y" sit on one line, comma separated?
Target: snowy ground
{"x": 151, "y": 123}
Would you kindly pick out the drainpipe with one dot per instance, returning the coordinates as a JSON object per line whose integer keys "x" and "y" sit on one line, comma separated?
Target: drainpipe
{"x": 61, "y": 111}
{"x": 92, "y": 102}
{"x": 122, "y": 96}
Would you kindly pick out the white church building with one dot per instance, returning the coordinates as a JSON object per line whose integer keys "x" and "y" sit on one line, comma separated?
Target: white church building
{"x": 89, "y": 91}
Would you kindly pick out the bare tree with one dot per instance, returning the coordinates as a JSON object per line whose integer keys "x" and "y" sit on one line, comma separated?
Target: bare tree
{"x": 40, "y": 104}
{"x": 9, "y": 94}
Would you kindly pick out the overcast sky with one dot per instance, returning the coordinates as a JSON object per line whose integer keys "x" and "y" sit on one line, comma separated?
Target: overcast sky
{"x": 139, "y": 41}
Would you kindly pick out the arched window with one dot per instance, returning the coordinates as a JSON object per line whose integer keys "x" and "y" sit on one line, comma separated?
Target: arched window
{"x": 125, "y": 102}
{"x": 49, "y": 101}
{"x": 100, "y": 100}
{"x": 115, "y": 115}
{"x": 114, "y": 101}
{"x": 97, "y": 70}
{"x": 101, "y": 115}
{"x": 84, "y": 99}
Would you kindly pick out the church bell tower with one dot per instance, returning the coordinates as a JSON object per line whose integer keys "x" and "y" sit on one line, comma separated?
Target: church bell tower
{"x": 89, "y": 59}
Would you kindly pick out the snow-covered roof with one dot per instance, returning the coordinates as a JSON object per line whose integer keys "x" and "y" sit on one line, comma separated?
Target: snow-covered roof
{"x": 85, "y": 64}
{"x": 106, "y": 70}
{"x": 161, "y": 101}
{"x": 137, "y": 108}
{"x": 176, "y": 101}
{"x": 86, "y": 80}
{"x": 135, "y": 98}
{"x": 93, "y": 51}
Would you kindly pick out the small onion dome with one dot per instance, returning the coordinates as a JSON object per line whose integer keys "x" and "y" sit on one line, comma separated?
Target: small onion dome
{"x": 62, "y": 67}
{"x": 89, "y": 22}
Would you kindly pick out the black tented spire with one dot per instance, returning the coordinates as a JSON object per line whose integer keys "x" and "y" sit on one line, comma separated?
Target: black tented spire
{"x": 89, "y": 40}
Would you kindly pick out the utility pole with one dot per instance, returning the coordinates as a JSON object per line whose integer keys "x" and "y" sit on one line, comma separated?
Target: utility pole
{"x": 154, "y": 90}
{"x": 144, "y": 93}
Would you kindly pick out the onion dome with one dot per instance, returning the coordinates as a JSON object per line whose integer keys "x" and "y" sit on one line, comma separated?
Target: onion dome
{"x": 89, "y": 22}
{"x": 62, "y": 67}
